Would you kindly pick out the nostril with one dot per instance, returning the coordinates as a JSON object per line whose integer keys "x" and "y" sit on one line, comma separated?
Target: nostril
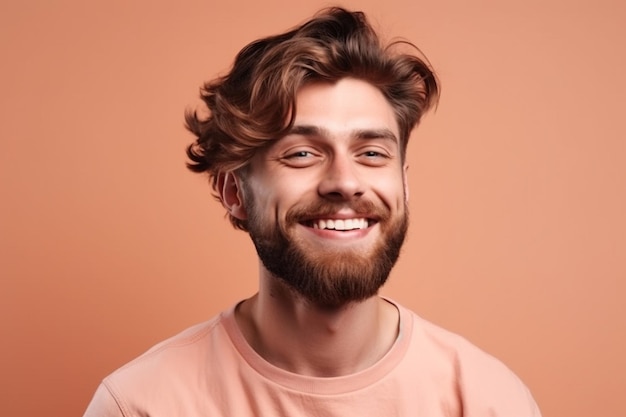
{"x": 338, "y": 195}
{"x": 346, "y": 188}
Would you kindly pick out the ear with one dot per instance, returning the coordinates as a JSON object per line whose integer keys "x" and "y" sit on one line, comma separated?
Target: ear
{"x": 405, "y": 180}
{"x": 231, "y": 194}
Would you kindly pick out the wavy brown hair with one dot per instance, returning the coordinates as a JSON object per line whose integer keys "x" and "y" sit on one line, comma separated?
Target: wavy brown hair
{"x": 254, "y": 104}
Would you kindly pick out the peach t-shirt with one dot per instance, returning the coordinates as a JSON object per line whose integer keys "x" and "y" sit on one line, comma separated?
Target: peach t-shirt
{"x": 210, "y": 370}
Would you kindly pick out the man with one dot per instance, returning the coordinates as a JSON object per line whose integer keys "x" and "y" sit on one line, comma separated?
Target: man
{"x": 305, "y": 147}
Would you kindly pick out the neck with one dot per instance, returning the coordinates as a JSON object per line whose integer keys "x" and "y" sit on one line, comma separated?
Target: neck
{"x": 299, "y": 337}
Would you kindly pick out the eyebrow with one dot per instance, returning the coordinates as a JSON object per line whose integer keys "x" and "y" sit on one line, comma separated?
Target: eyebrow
{"x": 374, "y": 133}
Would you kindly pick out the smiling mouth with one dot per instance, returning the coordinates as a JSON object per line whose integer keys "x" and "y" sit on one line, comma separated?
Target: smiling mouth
{"x": 340, "y": 224}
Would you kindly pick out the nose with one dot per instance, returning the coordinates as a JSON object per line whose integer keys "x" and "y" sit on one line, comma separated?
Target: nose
{"x": 341, "y": 180}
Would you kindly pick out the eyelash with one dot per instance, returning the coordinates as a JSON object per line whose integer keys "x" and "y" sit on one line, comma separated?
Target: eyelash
{"x": 374, "y": 153}
{"x": 304, "y": 158}
{"x": 299, "y": 154}
{"x": 302, "y": 154}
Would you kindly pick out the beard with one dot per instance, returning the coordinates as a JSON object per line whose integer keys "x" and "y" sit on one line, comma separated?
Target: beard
{"x": 328, "y": 277}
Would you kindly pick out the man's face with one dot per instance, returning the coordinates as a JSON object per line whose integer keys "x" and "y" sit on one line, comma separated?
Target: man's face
{"x": 326, "y": 204}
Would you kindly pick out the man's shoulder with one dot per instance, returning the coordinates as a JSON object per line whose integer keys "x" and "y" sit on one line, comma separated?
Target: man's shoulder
{"x": 170, "y": 360}
{"x": 482, "y": 380}
{"x": 448, "y": 342}
{"x": 176, "y": 366}
{"x": 453, "y": 346}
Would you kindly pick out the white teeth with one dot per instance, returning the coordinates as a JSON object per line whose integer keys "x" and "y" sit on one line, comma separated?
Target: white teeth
{"x": 340, "y": 224}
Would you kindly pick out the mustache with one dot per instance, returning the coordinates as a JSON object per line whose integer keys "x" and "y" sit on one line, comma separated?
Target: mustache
{"x": 322, "y": 208}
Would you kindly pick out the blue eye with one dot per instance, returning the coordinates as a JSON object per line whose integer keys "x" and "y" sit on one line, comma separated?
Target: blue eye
{"x": 300, "y": 158}
{"x": 300, "y": 154}
{"x": 374, "y": 158}
{"x": 374, "y": 155}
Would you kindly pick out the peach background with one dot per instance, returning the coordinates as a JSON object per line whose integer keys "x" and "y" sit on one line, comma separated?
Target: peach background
{"x": 518, "y": 188}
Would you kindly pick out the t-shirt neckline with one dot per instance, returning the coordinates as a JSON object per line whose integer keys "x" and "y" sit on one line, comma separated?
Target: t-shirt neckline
{"x": 321, "y": 385}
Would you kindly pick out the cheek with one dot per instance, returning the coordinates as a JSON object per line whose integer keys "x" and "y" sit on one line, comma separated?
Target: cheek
{"x": 290, "y": 189}
{"x": 264, "y": 201}
{"x": 391, "y": 189}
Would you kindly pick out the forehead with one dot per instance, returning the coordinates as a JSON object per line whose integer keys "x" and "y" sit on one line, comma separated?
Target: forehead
{"x": 348, "y": 105}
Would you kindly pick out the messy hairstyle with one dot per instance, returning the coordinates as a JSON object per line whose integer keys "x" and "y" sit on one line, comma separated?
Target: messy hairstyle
{"x": 253, "y": 105}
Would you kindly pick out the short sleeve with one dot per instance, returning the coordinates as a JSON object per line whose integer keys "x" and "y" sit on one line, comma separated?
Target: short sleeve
{"x": 103, "y": 404}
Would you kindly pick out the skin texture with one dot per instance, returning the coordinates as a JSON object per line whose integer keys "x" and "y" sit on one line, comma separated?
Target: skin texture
{"x": 342, "y": 160}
